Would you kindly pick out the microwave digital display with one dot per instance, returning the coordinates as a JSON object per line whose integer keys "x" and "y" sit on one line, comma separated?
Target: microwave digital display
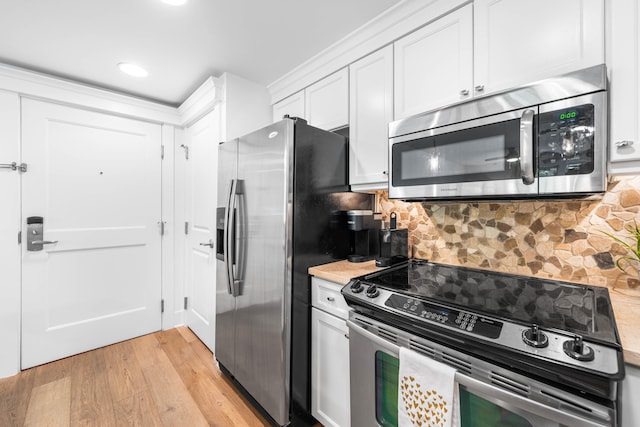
{"x": 566, "y": 142}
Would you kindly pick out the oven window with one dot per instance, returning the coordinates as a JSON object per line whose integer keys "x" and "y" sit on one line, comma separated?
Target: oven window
{"x": 489, "y": 152}
{"x": 387, "y": 368}
{"x": 475, "y": 411}
{"x": 478, "y": 412}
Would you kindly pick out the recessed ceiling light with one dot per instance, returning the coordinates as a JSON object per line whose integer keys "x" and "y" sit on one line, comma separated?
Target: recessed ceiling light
{"x": 133, "y": 69}
{"x": 174, "y": 2}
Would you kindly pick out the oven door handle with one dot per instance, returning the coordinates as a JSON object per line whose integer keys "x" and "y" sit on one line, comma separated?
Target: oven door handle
{"x": 526, "y": 147}
{"x": 372, "y": 337}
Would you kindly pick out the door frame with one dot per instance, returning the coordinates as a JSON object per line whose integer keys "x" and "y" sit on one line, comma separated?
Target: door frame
{"x": 10, "y": 249}
{"x": 16, "y": 84}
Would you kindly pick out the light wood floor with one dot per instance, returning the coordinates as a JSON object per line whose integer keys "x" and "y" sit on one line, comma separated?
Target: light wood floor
{"x": 167, "y": 378}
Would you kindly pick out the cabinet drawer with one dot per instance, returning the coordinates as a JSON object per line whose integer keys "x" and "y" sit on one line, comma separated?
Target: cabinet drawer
{"x": 326, "y": 296}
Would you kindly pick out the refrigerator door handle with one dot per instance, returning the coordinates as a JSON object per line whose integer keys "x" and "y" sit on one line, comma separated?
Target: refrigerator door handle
{"x": 229, "y": 237}
{"x": 240, "y": 241}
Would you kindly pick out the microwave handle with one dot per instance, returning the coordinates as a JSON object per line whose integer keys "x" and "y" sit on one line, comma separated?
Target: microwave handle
{"x": 526, "y": 147}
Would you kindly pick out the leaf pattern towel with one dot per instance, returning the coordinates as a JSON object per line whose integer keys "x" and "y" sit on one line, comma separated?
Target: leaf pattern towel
{"x": 426, "y": 390}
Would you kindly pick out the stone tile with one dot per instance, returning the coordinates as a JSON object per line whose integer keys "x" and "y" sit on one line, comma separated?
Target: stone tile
{"x": 556, "y": 239}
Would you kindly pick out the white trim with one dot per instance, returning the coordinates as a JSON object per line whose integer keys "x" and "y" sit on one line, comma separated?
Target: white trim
{"x": 202, "y": 101}
{"x": 168, "y": 216}
{"x": 10, "y": 223}
{"x": 178, "y": 292}
{"x": 399, "y": 20}
{"x": 44, "y": 87}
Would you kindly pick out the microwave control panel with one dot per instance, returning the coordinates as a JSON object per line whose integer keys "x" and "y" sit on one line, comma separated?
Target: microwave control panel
{"x": 566, "y": 141}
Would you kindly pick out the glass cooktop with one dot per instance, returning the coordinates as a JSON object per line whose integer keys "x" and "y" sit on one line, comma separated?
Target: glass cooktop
{"x": 582, "y": 309}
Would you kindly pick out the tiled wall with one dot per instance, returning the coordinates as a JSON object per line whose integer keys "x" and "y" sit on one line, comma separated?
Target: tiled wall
{"x": 556, "y": 239}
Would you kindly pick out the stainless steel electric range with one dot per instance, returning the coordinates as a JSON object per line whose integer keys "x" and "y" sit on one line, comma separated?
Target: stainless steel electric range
{"x": 528, "y": 351}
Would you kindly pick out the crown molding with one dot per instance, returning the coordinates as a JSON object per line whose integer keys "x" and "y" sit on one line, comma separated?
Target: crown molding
{"x": 202, "y": 101}
{"x": 41, "y": 86}
{"x": 399, "y": 20}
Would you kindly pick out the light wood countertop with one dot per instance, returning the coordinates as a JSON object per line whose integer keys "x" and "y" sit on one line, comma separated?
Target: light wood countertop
{"x": 626, "y": 307}
{"x": 343, "y": 271}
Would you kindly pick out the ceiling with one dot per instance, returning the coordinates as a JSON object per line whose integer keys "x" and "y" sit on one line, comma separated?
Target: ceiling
{"x": 180, "y": 46}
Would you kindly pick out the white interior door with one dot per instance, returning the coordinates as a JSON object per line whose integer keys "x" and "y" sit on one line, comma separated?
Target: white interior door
{"x": 95, "y": 179}
{"x": 201, "y": 195}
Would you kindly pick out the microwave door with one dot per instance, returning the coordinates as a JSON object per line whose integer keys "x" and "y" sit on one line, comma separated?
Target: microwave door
{"x": 482, "y": 158}
{"x": 571, "y": 145}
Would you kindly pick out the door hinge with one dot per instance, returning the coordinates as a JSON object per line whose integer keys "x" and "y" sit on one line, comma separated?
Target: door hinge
{"x": 186, "y": 302}
{"x": 162, "y": 224}
{"x": 161, "y": 306}
{"x": 186, "y": 151}
{"x": 22, "y": 167}
{"x": 186, "y": 227}
{"x": 19, "y": 237}
{"x": 162, "y": 152}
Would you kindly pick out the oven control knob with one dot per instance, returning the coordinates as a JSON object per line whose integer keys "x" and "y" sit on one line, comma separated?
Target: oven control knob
{"x": 356, "y": 287}
{"x": 534, "y": 337}
{"x": 373, "y": 291}
{"x": 576, "y": 349}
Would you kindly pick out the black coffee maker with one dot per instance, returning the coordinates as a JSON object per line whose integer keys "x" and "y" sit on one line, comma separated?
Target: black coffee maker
{"x": 394, "y": 244}
{"x": 364, "y": 226}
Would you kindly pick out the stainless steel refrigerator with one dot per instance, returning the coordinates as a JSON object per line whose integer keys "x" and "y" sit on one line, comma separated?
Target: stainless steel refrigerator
{"x": 278, "y": 189}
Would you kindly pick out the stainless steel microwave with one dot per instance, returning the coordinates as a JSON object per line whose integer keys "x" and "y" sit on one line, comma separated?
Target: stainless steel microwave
{"x": 546, "y": 139}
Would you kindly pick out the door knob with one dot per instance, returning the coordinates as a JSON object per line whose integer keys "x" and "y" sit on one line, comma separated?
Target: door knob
{"x": 209, "y": 243}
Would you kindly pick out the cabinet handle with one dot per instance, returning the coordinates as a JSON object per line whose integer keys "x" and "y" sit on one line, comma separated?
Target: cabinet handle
{"x": 331, "y": 299}
{"x": 384, "y": 172}
{"x": 623, "y": 144}
{"x": 346, "y": 336}
{"x": 464, "y": 92}
{"x": 479, "y": 88}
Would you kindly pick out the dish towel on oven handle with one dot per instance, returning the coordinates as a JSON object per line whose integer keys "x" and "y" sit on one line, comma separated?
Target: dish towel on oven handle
{"x": 427, "y": 393}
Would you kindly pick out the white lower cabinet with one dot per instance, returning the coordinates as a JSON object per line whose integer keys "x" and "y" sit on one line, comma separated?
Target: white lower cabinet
{"x": 630, "y": 391}
{"x": 330, "y": 399}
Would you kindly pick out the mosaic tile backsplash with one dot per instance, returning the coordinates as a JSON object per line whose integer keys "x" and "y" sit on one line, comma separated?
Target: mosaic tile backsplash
{"x": 551, "y": 239}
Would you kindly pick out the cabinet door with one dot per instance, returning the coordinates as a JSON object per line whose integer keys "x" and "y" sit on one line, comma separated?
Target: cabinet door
{"x": 517, "y": 42}
{"x": 327, "y": 101}
{"x": 330, "y": 400}
{"x": 623, "y": 64}
{"x": 292, "y": 105}
{"x": 370, "y": 111}
{"x": 326, "y": 296}
{"x": 433, "y": 66}
{"x": 630, "y": 390}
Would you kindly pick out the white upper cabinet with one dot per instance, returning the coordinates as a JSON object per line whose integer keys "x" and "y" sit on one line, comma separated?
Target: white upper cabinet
{"x": 327, "y": 101}
{"x": 518, "y": 42}
{"x": 492, "y": 45}
{"x": 623, "y": 65}
{"x": 370, "y": 111}
{"x": 434, "y": 65}
{"x": 292, "y": 105}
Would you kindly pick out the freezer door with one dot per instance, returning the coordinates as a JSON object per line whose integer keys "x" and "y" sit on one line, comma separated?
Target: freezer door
{"x": 224, "y": 350}
{"x": 264, "y": 267}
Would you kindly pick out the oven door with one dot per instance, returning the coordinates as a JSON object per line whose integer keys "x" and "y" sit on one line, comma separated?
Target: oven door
{"x": 486, "y": 157}
{"x": 374, "y": 367}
